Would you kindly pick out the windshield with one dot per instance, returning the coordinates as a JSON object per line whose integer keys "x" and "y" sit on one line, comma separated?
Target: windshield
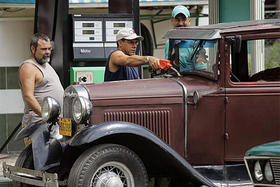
{"x": 194, "y": 55}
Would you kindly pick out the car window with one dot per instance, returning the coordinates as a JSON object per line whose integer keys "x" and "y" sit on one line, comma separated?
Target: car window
{"x": 257, "y": 61}
{"x": 195, "y": 56}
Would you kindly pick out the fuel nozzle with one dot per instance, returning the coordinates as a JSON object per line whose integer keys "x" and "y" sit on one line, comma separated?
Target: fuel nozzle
{"x": 165, "y": 64}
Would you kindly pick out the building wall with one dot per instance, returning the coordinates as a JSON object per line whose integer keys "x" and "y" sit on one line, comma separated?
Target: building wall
{"x": 237, "y": 10}
{"x": 15, "y": 34}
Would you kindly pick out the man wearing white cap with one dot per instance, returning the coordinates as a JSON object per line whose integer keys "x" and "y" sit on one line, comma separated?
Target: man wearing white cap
{"x": 181, "y": 18}
{"x": 122, "y": 64}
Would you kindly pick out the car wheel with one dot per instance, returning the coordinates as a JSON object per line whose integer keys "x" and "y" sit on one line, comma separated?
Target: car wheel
{"x": 108, "y": 165}
{"x": 24, "y": 160}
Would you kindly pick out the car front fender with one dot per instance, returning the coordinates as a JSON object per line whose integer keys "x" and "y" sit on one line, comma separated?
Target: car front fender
{"x": 28, "y": 130}
{"x": 46, "y": 149}
{"x": 154, "y": 152}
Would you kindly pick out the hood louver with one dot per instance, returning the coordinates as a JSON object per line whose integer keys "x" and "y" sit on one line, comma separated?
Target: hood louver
{"x": 157, "y": 121}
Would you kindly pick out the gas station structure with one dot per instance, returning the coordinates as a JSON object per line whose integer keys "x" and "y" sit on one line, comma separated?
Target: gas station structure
{"x": 19, "y": 19}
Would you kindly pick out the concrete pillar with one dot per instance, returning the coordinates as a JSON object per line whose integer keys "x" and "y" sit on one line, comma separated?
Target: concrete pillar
{"x": 213, "y": 11}
{"x": 257, "y": 47}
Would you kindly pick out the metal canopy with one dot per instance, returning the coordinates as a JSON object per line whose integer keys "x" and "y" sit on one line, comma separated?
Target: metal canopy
{"x": 211, "y": 32}
{"x": 91, "y": 1}
{"x": 143, "y": 2}
{"x": 231, "y": 25}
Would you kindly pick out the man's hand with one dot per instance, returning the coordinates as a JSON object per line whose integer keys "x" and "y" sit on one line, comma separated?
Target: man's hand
{"x": 201, "y": 56}
{"x": 154, "y": 63}
{"x": 201, "y": 60}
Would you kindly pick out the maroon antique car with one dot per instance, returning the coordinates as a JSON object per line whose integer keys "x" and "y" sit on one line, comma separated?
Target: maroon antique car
{"x": 128, "y": 132}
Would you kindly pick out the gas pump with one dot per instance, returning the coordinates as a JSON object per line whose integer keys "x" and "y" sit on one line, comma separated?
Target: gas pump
{"x": 94, "y": 37}
{"x": 83, "y": 42}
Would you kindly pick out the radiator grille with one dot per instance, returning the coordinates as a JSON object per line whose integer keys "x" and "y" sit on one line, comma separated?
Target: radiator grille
{"x": 275, "y": 164}
{"x": 156, "y": 121}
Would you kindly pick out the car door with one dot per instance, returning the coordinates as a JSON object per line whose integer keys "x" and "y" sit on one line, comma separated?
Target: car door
{"x": 252, "y": 99}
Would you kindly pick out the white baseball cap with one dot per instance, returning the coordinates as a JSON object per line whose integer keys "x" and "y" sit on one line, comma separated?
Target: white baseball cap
{"x": 128, "y": 34}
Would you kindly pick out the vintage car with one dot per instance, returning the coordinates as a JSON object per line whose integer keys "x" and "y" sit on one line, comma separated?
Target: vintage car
{"x": 187, "y": 125}
{"x": 263, "y": 164}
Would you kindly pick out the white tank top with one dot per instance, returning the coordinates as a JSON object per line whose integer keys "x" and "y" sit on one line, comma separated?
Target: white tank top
{"x": 50, "y": 86}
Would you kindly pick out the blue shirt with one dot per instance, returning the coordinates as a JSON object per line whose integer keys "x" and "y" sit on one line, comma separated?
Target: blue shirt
{"x": 185, "y": 50}
{"x": 123, "y": 73}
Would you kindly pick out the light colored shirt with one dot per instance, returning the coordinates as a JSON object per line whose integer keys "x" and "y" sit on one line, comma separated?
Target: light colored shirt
{"x": 186, "y": 48}
{"x": 50, "y": 86}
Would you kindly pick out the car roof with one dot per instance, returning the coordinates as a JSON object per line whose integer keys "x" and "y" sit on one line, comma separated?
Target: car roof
{"x": 214, "y": 31}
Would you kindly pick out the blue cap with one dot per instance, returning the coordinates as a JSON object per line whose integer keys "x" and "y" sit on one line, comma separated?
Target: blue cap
{"x": 180, "y": 10}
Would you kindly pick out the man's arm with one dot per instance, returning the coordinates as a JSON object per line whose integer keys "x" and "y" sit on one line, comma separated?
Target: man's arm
{"x": 28, "y": 74}
{"x": 118, "y": 58}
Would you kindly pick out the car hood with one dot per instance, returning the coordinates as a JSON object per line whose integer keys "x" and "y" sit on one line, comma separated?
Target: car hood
{"x": 156, "y": 90}
{"x": 202, "y": 85}
{"x": 268, "y": 149}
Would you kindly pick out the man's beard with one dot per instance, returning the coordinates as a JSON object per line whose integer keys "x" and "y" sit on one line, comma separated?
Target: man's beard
{"x": 43, "y": 60}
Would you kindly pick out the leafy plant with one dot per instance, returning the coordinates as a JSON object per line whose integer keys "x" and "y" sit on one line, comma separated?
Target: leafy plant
{"x": 272, "y": 58}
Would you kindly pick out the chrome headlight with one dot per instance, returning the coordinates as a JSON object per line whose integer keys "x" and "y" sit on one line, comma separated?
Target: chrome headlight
{"x": 258, "y": 171}
{"x": 268, "y": 172}
{"x": 81, "y": 109}
{"x": 50, "y": 109}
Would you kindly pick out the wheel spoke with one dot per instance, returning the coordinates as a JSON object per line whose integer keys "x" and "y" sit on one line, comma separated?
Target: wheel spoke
{"x": 106, "y": 170}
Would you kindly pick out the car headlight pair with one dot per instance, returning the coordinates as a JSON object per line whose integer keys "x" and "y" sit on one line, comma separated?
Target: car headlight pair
{"x": 81, "y": 109}
{"x": 260, "y": 173}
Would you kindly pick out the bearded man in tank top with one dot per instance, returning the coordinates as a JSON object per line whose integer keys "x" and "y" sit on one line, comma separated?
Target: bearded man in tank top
{"x": 38, "y": 79}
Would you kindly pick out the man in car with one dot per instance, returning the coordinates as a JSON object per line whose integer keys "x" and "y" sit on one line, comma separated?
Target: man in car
{"x": 181, "y": 18}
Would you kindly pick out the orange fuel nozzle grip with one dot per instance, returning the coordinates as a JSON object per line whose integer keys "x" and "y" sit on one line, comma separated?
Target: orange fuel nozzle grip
{"x": 165, "y": 64}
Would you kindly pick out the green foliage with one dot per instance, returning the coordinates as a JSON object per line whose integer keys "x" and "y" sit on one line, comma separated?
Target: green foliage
{"x": 272, "y": 58}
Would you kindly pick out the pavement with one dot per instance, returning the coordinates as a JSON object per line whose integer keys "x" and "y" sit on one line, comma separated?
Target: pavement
{"x": 11, "y": 160}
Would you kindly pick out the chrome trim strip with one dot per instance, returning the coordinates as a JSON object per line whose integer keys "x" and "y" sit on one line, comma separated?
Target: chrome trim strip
{"x": 232, "y": 184}
{"x": 185, "y": 97}
{"x": 259, "y": 157}
{"x": 248, "y": 170}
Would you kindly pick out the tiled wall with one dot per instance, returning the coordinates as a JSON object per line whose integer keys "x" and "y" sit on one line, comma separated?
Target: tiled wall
{"x": 9, "y": 78}
{"x": 10, "y": 104}
{"x": 15, "y": 36}
{"x": 8, "y": 123}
